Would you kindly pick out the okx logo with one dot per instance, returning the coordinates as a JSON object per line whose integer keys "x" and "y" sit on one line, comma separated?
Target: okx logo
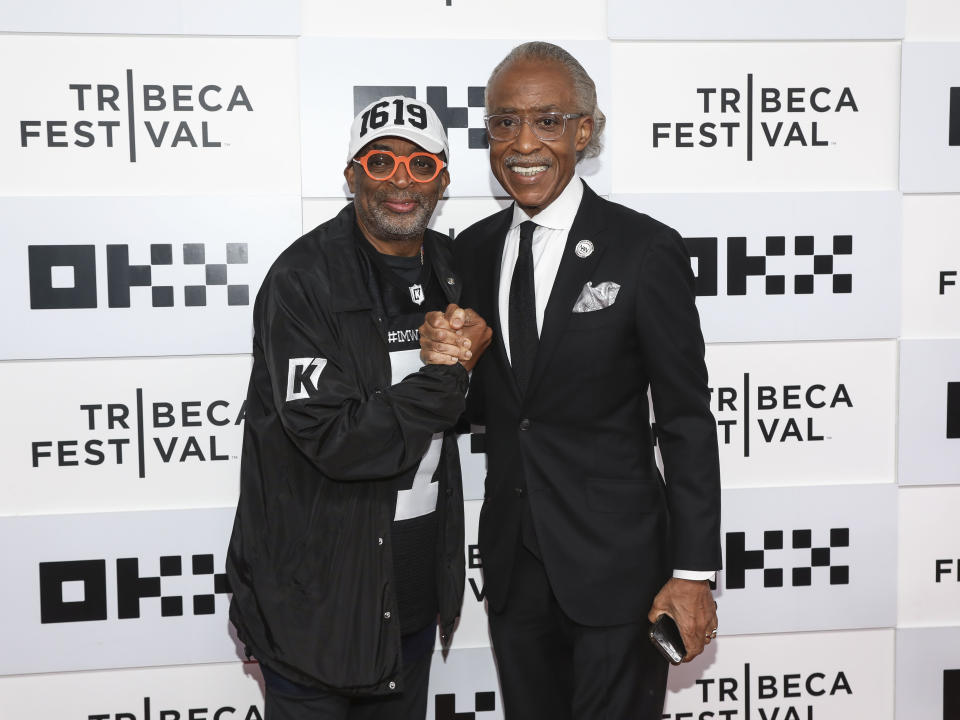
{"x": 162, "y": 117}
{"x": 446, "y": 706}
{"x": 955, "y": 116}
{"x": 739, "y": 560}
{"x": 469, "y": 117}
{"x": 953, "y": 410}
{"x": 66, "y": 277}
{"x": 76, "y": 590}
{"x": 801, "y": 260}
{"x": 951, "y": 694}
{"x": 745, "y": 116}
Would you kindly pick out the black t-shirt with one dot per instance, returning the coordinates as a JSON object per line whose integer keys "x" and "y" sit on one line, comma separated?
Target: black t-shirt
{"x": 408, "y": 290}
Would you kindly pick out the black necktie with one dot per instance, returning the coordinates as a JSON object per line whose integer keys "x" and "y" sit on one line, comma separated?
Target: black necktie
{"x": 523, "y": 310}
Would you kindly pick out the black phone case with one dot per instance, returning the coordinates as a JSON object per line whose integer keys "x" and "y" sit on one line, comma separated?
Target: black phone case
{"x": 665, "y": 636}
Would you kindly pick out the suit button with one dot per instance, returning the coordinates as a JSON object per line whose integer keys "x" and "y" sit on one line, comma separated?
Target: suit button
{"x": 518, "y": 491}
{"x": 524, "y": 424}
{"x": 386, "y": 615}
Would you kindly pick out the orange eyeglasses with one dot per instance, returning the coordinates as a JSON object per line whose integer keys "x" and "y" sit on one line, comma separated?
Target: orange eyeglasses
{"x": 382, "y": 164}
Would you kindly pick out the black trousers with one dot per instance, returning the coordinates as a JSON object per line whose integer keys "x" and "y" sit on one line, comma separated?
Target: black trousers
{"x": 552, "y": 668}
{"x": 284, "y": 700}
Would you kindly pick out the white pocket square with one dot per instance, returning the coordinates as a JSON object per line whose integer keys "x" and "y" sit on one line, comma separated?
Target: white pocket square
{"x": 596, "y": 298}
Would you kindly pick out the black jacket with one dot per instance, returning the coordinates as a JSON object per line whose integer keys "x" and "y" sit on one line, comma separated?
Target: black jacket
{"x": 577, "y": 446}
{"x": 310, "y": 562}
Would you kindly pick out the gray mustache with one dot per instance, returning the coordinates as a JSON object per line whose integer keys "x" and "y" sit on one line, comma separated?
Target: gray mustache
{"x": 512, "y": 160}
{"x": 400, "y": 198}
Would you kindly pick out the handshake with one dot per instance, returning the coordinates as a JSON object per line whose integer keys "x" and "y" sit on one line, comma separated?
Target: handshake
{"x": 456, "y": 335}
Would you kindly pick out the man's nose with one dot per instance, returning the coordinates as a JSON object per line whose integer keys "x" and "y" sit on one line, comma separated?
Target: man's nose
{"x": 526, "y": 140}
{"x": 401, "y": 178}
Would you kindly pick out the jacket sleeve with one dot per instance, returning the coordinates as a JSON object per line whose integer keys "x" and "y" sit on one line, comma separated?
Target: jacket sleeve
{"x": 313, "y": 365}
{"x": 686, "y": 430}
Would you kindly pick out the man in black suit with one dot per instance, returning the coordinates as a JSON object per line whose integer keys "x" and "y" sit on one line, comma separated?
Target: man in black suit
{"x": 591, "y": 304}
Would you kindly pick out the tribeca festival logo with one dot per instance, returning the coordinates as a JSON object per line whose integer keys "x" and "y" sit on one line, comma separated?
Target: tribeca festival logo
{"x": 790, "y": 696}
{"x": 446, "y": 706}
{"x": 76, "y": 590}
{"x": 66, "y": 277}
{"x": 818, "y": 563}
{"x": 774, "y": 413}
{"x": 954, "y": 117}
{"x": 807, "y": 265}
{"x": 111, "y": 111}
{"x": 747, "y": 116}
{"x": 469, "y": 117}
{"x": 224, "y": 712}
{"x": 122, "y": 433}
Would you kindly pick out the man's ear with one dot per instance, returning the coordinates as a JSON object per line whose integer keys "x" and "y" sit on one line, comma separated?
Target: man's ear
{"x": 349, "y": 175}
{"x": 584, "y": 132}
{"x": 444, "y": 181}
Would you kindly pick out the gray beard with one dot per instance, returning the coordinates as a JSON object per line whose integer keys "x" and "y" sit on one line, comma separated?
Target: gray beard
{"x": 390, "y": 226}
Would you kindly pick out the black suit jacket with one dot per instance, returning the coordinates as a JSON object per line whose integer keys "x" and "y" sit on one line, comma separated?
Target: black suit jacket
{"x": 578, "y": 446}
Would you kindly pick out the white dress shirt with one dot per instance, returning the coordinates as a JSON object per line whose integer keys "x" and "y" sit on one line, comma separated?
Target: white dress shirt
{"x": 549, "y": 240}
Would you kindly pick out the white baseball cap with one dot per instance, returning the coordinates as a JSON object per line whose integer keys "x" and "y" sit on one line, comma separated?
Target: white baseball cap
{"x": 398, "y": 116}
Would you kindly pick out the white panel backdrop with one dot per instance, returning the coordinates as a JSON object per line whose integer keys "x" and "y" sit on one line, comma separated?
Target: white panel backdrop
{"x": 156, "y": 158}
{"x": 149, "y": 115}
{"x": 755, "y": 116}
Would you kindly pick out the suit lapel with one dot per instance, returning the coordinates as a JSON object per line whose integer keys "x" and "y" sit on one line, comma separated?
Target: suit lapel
{"x": 572, "y": 274}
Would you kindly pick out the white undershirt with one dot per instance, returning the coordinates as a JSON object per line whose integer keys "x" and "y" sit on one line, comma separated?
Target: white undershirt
{"x": 549, "y": 240}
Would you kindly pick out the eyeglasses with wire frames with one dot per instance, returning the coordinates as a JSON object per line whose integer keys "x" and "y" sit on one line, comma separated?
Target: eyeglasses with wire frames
{"x": 422, "y": 167}
{"x": 545, "y": 125}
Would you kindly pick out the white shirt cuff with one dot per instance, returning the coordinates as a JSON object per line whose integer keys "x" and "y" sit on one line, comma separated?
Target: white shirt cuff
{"x": 710, "y": 575}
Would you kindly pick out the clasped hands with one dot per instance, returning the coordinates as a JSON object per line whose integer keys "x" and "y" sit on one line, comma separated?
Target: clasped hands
{"x": 456, "y": 335}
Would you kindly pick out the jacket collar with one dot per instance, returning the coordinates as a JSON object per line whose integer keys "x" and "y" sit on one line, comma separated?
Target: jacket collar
{"x": 347, "y": 262}
{"x": 589, "y": 224}
{"x": 574, "y": 271}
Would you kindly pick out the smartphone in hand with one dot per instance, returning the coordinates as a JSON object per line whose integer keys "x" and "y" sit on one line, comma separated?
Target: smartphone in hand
{"x": 665, "y": 635}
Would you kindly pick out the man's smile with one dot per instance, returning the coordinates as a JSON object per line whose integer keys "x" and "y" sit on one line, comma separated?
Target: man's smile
{"x": 401, "y": 206}
{"x": 527, "y": 167}
{"x": 528, "y": 171}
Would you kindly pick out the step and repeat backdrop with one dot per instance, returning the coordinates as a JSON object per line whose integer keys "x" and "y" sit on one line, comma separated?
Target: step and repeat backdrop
{"x": 156, "y": 157}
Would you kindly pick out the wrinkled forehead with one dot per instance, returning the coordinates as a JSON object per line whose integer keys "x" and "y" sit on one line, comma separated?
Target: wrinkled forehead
{"x": 531, "y": 86}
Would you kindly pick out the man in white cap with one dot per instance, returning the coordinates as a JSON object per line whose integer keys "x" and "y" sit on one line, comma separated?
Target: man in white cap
{"x": 348, "y": 540}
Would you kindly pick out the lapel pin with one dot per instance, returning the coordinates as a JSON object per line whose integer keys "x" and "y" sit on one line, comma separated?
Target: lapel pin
{"x": 584, "y": 249}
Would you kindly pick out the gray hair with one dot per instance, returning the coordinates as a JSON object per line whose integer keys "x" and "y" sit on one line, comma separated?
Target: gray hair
{"x": 585, "y": 91}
